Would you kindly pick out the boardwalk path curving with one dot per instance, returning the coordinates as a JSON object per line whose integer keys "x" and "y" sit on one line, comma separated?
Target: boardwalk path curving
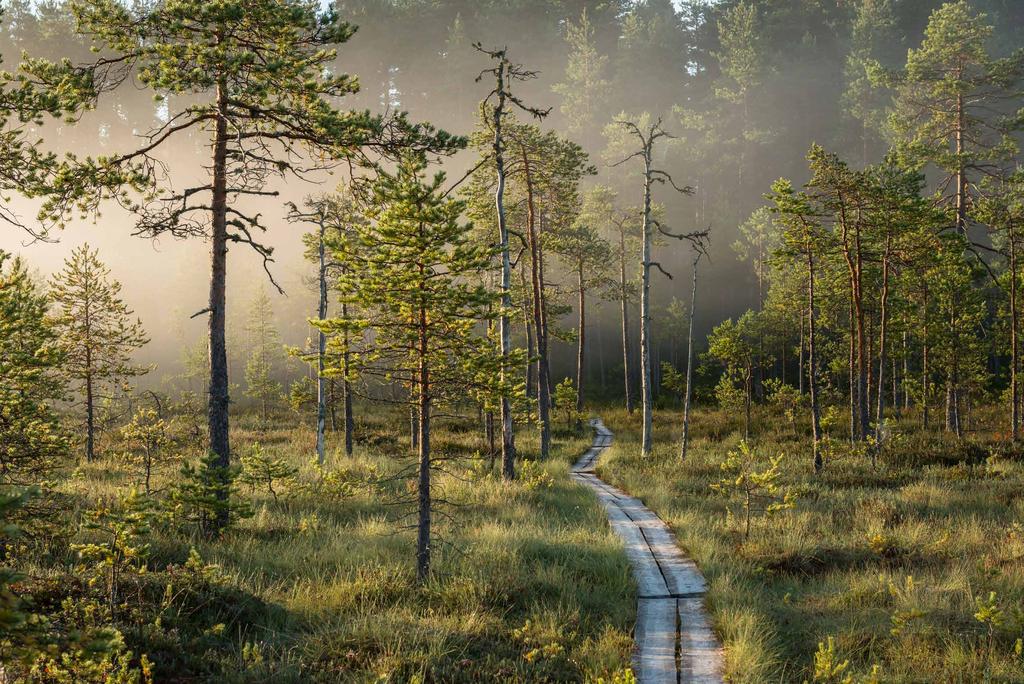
{"x": 674, "y": 641}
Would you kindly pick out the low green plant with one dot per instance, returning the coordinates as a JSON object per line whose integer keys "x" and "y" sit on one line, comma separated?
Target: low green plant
{"x": 119, "y": 527}
{"x": 208, "y": 493}
{"x": 755, "y": 483}
{"x": 565, "y": 402}
{"x": 260, "y": 470}
{"x": 146, "y": 437}
{"x": 785, "y": 398}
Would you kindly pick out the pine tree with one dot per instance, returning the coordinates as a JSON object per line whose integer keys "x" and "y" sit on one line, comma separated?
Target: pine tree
{"x": 506, "y": 75}
{"x": 415, "y": 274}
{"x": 97, "y": 334}
{"x": 334, "y": 215}
{"x": 734, "y": 345}
{"x": 802, "y": 240}
{"x": 875, "y": 39}
{"x": 622, "y": 226}
{"x": 586, "y": 88}
{"x": 953, "y": 111}
{"x": 31, "y": 440}
{"x": 256, "y": 79}
{"x": 953, "y": 102}
{"x": 25, "y": 104}
{"x": 1002, "y": 209}
{"x": 588, "y": 256}
{"x": 265, "y": 344}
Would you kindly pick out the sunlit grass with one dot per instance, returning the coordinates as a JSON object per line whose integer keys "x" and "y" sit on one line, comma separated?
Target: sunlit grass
{"x": 528, "y": 583}
{"x": 947, "y": 515}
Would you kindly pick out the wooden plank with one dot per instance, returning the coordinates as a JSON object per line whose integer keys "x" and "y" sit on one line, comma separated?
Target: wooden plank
{"x": 655, "y": 655}
{"x": 681, "y": 574}
{"x": 649, "y": 579}
{"x": 674, "y": 641}
{"x": 701, "y": 658}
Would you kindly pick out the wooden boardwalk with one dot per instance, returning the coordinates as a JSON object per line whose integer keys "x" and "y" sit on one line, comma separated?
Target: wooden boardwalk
{"x": 674, "y": 641}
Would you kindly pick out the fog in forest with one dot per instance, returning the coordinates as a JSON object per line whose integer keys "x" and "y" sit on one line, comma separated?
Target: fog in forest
{"x": 745, "y": 104}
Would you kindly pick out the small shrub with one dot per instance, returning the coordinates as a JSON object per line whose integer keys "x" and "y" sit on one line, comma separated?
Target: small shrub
{"x": 258, "y": 469}
{"x": 121, "y": 528}
{"x": 207, "y": 496}
{"x": 565, "y": 402}
{"x": 758, "y": 490}
{"x": 146, "y": 438}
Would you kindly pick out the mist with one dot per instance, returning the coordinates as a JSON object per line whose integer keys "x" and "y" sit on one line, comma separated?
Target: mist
{"x": 419, "y": 57}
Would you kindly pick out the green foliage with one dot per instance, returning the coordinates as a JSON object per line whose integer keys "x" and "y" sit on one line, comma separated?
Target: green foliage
{"x": 302, "y": 394}
{"x": 586, "y": 86}
{"x": 97, "y": 334}
{"x": 31, "y": 440}
{"x": 755, "y": 483}
{"x": 827, "y": 666}
{"x": 565, "y": 401}
{"x": 672, "y": 380}
{"x": 785, "y": 398}
{"x": 207, "y": 497}
{"x": 260, "y": 470}
{"x": 147, "y": 437}
{"x": 16, "y": 629}
{"x": 266, "y": 353}
{"x": 119, "y": 530}
{"x": 952, "y": 65}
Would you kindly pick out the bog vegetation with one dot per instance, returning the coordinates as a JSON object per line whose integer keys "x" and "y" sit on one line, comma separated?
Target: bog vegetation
{"x": 836, "y": 441}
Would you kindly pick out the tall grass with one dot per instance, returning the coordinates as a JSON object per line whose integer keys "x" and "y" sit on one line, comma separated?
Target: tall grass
{"x": 890, "y": 561}
{"x": 528, "y": 583}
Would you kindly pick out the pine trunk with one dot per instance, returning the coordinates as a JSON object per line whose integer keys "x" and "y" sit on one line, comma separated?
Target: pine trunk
{"x": 581, "y": 345}
{"x": 219, "y": 400}
{"x": 321, "y": 349}
{"x": 624, "y": 304}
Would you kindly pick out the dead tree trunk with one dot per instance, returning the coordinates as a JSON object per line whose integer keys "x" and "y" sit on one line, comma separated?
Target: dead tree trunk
{"x": 812, "y": 368}
{"x": 689, "y": 360}
{"x": 646, "y": 399}
{"x": 321, "y": 349}
{"x": 624, "y": 308}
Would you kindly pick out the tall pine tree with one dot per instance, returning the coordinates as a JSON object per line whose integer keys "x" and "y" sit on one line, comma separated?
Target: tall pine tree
{"x": 98, "y": 335}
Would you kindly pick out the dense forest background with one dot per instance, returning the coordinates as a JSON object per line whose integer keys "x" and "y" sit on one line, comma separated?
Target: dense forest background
{"x": 745, "y": 87}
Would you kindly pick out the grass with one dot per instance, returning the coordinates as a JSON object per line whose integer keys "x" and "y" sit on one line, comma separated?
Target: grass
{"x": 528, "y": 582}
{"x": 889, "y": 562}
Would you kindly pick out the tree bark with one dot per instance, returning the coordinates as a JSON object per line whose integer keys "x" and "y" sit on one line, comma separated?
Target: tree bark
{"x": 508, "y": 449}
{"x": 647, "y": 437}
{"x": 812, "y": 363}
{"x": 537, "y": 282}
{"x": 346, "y": 358}
{"x": 581, "y": 345}
{"x": 624, "y": 305}
{"x": 90, "y": 412}
{"x": 425, "y": 504}
{"x": 219, "y": 399}
{"x": 689, "y": 361}
{"x": 1014, "y": 344}
{"x": 883, "y": 323}
{"x": 924, "y": 365}
{"x": 321, "y": 349}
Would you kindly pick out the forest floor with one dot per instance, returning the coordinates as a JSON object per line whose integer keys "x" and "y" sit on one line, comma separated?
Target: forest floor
{"x": 908, "y": 571}
{"x": 528, "y": 583}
